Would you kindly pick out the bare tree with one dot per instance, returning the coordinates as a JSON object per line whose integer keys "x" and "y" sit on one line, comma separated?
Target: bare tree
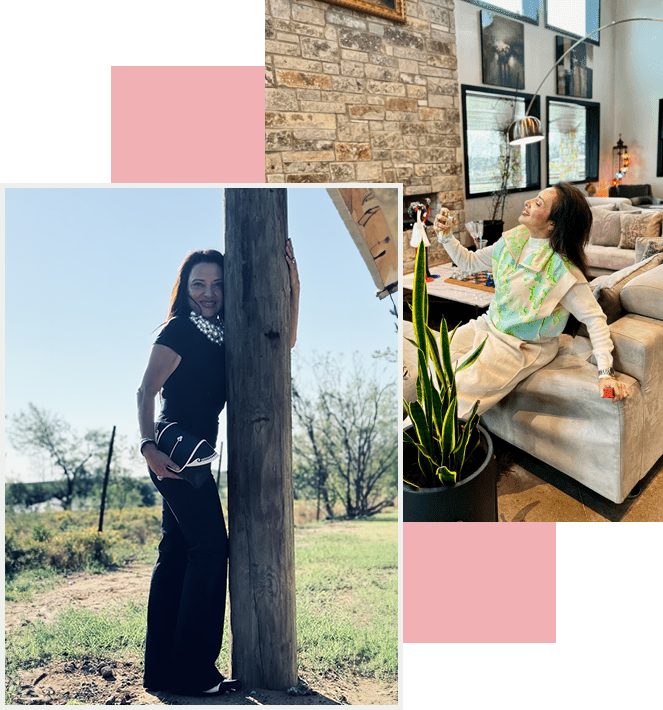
{"x": 36, "y": 431}
{"x": 350, "y": 421}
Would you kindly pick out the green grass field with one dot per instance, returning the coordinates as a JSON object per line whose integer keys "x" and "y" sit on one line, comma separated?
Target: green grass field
{"x": 346, "y": 580}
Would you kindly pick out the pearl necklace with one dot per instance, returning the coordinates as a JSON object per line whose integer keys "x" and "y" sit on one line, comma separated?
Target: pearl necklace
{"x": 213, "y": 331}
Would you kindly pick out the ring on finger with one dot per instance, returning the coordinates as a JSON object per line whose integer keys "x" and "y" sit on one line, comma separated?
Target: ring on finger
{"x": 160, "y": 478}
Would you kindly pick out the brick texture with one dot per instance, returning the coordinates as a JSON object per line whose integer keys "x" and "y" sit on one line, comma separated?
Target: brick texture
{"x": 354, "y": 97}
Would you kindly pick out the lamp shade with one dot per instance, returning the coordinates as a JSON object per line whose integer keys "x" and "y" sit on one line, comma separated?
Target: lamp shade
{"x": 525, "y": 130}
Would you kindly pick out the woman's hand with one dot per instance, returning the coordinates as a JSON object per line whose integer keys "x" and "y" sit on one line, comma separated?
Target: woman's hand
{"x": 620, "y": 388}
{"x": 294, "y": 290}
{"x": 443, "y": 223}
{"x": 292, "y": 266}
{"x": 160, "y": 463}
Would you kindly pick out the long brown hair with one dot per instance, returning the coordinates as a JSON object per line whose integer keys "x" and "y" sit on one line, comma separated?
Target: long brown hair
{"x": 572, "y": 220}
{"x": 179, "y": 298}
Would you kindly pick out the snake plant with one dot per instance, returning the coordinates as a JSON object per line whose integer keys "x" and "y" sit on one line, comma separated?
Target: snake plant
{"x": 443, "y": 441}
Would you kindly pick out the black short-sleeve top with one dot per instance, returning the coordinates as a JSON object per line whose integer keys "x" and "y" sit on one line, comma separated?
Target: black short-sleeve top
{"x": 195, "y": 393}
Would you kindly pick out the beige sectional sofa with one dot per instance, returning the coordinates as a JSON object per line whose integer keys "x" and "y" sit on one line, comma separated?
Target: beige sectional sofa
{"x": 604, "y": 255}
{"x": 557, "y": 416}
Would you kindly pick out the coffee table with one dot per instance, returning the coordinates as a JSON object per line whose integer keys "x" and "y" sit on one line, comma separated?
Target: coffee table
{"x": 438, "y": 289}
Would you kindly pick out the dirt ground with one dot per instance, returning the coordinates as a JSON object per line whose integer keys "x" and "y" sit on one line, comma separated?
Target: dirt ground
{"x": 99, "y": 681}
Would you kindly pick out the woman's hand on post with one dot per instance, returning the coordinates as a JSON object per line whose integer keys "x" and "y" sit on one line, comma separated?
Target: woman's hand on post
{"x": 620, "y": 389}
{"x": 294, "y": 290}
{"x": 160, "y": 464}
{"x": 292, "y": 266}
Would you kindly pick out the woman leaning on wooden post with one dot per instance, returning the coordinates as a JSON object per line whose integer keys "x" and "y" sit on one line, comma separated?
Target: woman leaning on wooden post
{"x": 188, "y": 589}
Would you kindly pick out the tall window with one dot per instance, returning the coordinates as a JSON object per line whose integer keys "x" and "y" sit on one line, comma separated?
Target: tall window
{"x": 573, "y": 140}
{"x": 576, "y": 18}
{"x": 659, "y": 162}
{"x": 526, "y": 10}
{"x": 487, "y": 114}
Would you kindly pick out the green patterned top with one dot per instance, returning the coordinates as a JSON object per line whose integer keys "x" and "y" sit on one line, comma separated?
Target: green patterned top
{"x": 527, "y": 294}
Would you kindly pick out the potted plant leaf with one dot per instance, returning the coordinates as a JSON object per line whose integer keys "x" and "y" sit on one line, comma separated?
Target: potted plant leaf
{"x": 449, "y": 470}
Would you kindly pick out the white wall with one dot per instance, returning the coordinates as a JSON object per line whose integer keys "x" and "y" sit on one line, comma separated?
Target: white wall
{"x": 539, "y": 58}
{"x": 638, "y": 88}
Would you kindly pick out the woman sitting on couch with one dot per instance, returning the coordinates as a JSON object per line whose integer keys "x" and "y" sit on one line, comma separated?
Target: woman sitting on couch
{"x": 540, "y": 277}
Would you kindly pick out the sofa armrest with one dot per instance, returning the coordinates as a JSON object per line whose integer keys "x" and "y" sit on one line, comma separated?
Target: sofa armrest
{"x": 638, "y": 344}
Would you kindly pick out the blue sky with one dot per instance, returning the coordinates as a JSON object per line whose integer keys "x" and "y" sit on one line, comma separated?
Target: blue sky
{"x": 88, "y": 278}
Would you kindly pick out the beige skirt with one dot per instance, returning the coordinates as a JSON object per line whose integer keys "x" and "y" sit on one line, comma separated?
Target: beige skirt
{"x": 504, "y": 362}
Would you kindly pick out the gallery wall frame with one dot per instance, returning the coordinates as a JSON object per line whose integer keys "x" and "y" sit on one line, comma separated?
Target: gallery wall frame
{"x": 502, "y": 51}
{"x": 390, "y": 9}
{"x": 593, "y": 137}
{"x": 575, "y": 75}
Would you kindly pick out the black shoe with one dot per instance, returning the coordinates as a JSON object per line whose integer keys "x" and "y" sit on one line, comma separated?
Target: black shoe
{"x": 225, "y": 686}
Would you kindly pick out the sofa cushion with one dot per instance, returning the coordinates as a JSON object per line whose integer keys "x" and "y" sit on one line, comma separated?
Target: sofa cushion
{"x": 634, "y": 225}
{"x": 644, "y": 294}
{"x": 624, "y": 207}
{"x": 644, "y": 200}
{"x": 606, "y": 227}
{"x": 608, "y": 290}
{"x": 655, "y": 246}
{"x": 612, "y": 258}
{"x": 642, "y": 244}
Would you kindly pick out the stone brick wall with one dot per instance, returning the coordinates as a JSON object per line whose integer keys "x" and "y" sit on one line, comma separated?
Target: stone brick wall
{"x": 354, "y": 97}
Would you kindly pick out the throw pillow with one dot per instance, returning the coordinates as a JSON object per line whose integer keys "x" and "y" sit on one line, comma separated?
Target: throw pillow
{"x": 655, "y": 247}
{"x": 625, "y": 207}
{"x": 646, "y": 224}
{"x": 642, "y": 247}
{"x": 644, "y": 294}
{"x": 607, "y": 291}
{"x": 610, "y": 206}
{"x": 644, "y": 200}
{"x": 606, "y": 228}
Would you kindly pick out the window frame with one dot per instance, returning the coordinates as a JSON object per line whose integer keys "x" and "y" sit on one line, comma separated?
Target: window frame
{"x": 506, "y": 13}
{"x": 533, "y": 150}
{"x": 567, "y": 33}
{"x": 593, "y": 138}
{"x": 659, "y": 161}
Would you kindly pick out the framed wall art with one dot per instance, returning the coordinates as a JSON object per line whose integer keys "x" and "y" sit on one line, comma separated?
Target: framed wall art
{"x": 391, "y": 9}
{"x": 502, "y": 51}
{"x": 575, "y": 73}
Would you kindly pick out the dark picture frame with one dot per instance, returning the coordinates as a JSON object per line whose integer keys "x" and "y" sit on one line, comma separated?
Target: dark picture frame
{"x": 390, "y": 9}
{"x": 502, "y": 51}
{"x": 593, "y": 137}
{"x": 532, "y": 151}
{"x": 576, "y": 73}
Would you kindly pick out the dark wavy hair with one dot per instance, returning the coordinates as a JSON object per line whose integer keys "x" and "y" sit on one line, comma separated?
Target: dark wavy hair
{"x": 572, "y": 220}
{"x": 179, "y": 298}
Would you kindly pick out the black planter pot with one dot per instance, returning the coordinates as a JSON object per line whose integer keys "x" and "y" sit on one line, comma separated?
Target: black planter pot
{"x": 492, "y": 230}
{"x": 474, "y": 499}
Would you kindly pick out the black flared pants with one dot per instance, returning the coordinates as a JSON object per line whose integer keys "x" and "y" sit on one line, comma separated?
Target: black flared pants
{"x": 188, "y": 589}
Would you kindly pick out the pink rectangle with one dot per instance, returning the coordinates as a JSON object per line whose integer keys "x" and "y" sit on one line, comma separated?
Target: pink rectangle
{"x": 187, "y": 124}
{"x": 546, "y": 616}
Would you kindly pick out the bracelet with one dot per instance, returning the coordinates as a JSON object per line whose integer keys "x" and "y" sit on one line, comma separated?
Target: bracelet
{"x": 145, "y": 441}
{"x": 608, "y": 372}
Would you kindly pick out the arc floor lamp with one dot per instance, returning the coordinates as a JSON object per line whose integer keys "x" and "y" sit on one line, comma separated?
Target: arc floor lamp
{"x": 528, "y": 129}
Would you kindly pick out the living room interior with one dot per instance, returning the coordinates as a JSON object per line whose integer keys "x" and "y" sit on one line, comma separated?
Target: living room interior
{"x": 560, "y": 455}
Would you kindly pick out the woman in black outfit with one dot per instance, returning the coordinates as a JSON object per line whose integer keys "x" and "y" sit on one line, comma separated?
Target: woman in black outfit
{"x": 188, "y": 588}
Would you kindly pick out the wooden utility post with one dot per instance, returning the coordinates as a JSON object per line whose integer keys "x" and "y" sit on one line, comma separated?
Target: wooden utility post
{"x": 260, "y": 495}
